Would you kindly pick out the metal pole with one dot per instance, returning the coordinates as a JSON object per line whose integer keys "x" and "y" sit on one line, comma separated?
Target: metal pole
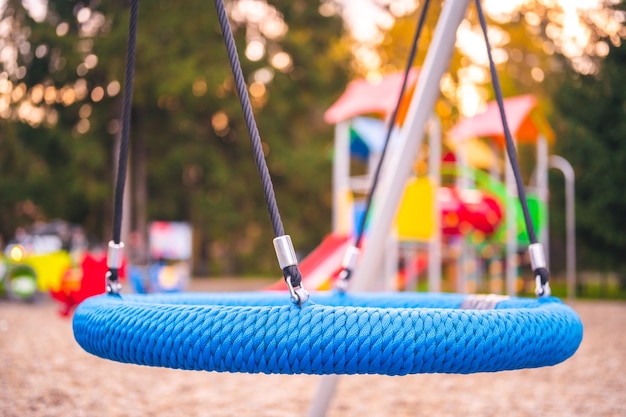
{"x": 565, "y": 167}
{"x": 390, "y": 270}
{"x": 390, "y": 190}
{"x": 410, "y": 139}
{"x": 324, "y": 395}
{"x": 341, "y": 185}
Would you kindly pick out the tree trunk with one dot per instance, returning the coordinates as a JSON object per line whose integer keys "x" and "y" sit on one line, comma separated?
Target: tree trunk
{"x": 140, "y": 188}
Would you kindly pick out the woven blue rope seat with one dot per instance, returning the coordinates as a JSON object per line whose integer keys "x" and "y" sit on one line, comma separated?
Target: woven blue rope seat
{"x": 335, "y": 333}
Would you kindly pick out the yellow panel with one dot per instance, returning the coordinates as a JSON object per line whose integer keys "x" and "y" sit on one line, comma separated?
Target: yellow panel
{"x": 49, "y": 269}
{"x": 344, "y": 214}
{"x": 415, "y": 215}
{"x": 477, "y": 153}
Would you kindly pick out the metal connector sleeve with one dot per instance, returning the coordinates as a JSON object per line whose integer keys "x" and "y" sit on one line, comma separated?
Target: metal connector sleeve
{"x": 350, "y": 258}
{"x": 537, "y": 256}
{"x": 285, "y": 252}
{"x": 115, "y": 255}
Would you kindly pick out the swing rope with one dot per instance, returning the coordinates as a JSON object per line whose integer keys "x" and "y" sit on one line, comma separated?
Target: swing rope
{"x": 255, "y": 138}
{"x": 339, "y": 333}
{"x": 116, "y": 246}
{"x": 282, "y": 243}
{"x": 535, "y": 250}
{"x": 352, "y": 253}
{"x": 285, "y": 252}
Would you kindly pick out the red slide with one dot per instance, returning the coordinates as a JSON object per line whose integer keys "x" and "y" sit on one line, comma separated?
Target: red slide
{"x": 320, "y": 265}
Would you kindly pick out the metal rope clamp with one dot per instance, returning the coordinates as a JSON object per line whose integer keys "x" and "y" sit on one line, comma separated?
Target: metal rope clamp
{"x": 540, "y": 269}
{"x": 287, "y": 258}
{"x": 115, "y": 257}
{"x": 348, "y": 264}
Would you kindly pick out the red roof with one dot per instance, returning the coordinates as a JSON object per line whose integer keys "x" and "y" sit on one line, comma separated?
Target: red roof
{"x": 365, "y": 97}
{"x": 523, "y": 117}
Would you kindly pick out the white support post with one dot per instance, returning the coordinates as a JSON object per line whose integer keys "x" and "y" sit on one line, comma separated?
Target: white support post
{"x": 510, "y": 263}
{"x": 463, "y": 182}
{"x": 494, "y": 169}
{"x": 401, "y": 159}
{"x": 341, "y": 177}
{"x": 390, "y": 270}
{"x": 325, "y": 392}
{"x": 434, "y": 173}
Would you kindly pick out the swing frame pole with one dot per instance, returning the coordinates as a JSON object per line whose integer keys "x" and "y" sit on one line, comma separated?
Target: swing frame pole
{"x": 410, "y": 139}
{"x": 398, "y": 167}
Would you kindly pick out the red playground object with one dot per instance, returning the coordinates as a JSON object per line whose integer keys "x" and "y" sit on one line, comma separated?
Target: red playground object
{"x": 82, "y": 282}
{"x": 463, "y": 211}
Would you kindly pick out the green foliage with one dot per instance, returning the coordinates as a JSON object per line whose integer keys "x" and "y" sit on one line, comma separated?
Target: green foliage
{"x": 188, "y": 166}
{"x": 46, "y": 170}
{"x": 591, "y": 126}
{"x": 190, "y": 152}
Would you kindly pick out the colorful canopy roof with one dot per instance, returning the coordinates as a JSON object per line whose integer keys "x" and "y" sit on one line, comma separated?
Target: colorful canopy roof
{"x": 525, "y": 121}
{"x": 363, "y": 97}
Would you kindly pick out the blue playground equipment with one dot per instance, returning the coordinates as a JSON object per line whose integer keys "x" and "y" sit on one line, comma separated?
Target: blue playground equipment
{"x": 338, "y": 333}
{"x": 170, "y": 256}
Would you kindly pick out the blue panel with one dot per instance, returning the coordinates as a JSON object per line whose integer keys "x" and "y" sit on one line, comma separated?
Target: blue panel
{"x": 358, "y": 148}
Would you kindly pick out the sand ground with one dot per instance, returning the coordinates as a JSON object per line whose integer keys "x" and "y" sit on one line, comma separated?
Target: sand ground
{"x": 43, "y": 372}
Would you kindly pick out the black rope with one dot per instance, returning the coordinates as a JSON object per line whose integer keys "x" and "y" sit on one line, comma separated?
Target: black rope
{"x": 255, "y": 139}
{"x": 122, "y": 160}
{"x": 510, "y": 146}
{"x": 392, "y": 121}
{"x": 291, "y": 272}
{"x": 345, "y": 274}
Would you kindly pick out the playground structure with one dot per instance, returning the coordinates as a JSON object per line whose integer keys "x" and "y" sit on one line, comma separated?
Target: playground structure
{"x": 52, "y": 258}
{"x": 55, "y": 258}
{"x": 35, "y": 260}
{"x": 475, "y": 220}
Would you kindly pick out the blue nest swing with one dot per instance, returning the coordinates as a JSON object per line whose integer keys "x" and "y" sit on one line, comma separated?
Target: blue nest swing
{"x": 368, "y": 333}
{"x": 332, "y": 333}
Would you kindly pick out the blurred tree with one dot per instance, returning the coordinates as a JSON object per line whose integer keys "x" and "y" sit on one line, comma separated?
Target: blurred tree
{"x": 590, "y": 114}
{"x": 190, "y": 155}
{"x": 394, "y": 51}
{"x": 45, "y": 105}
{"x": 192, "y": 123}
{"x": 542, "y": 47}
{"x": 527, "y": 37}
